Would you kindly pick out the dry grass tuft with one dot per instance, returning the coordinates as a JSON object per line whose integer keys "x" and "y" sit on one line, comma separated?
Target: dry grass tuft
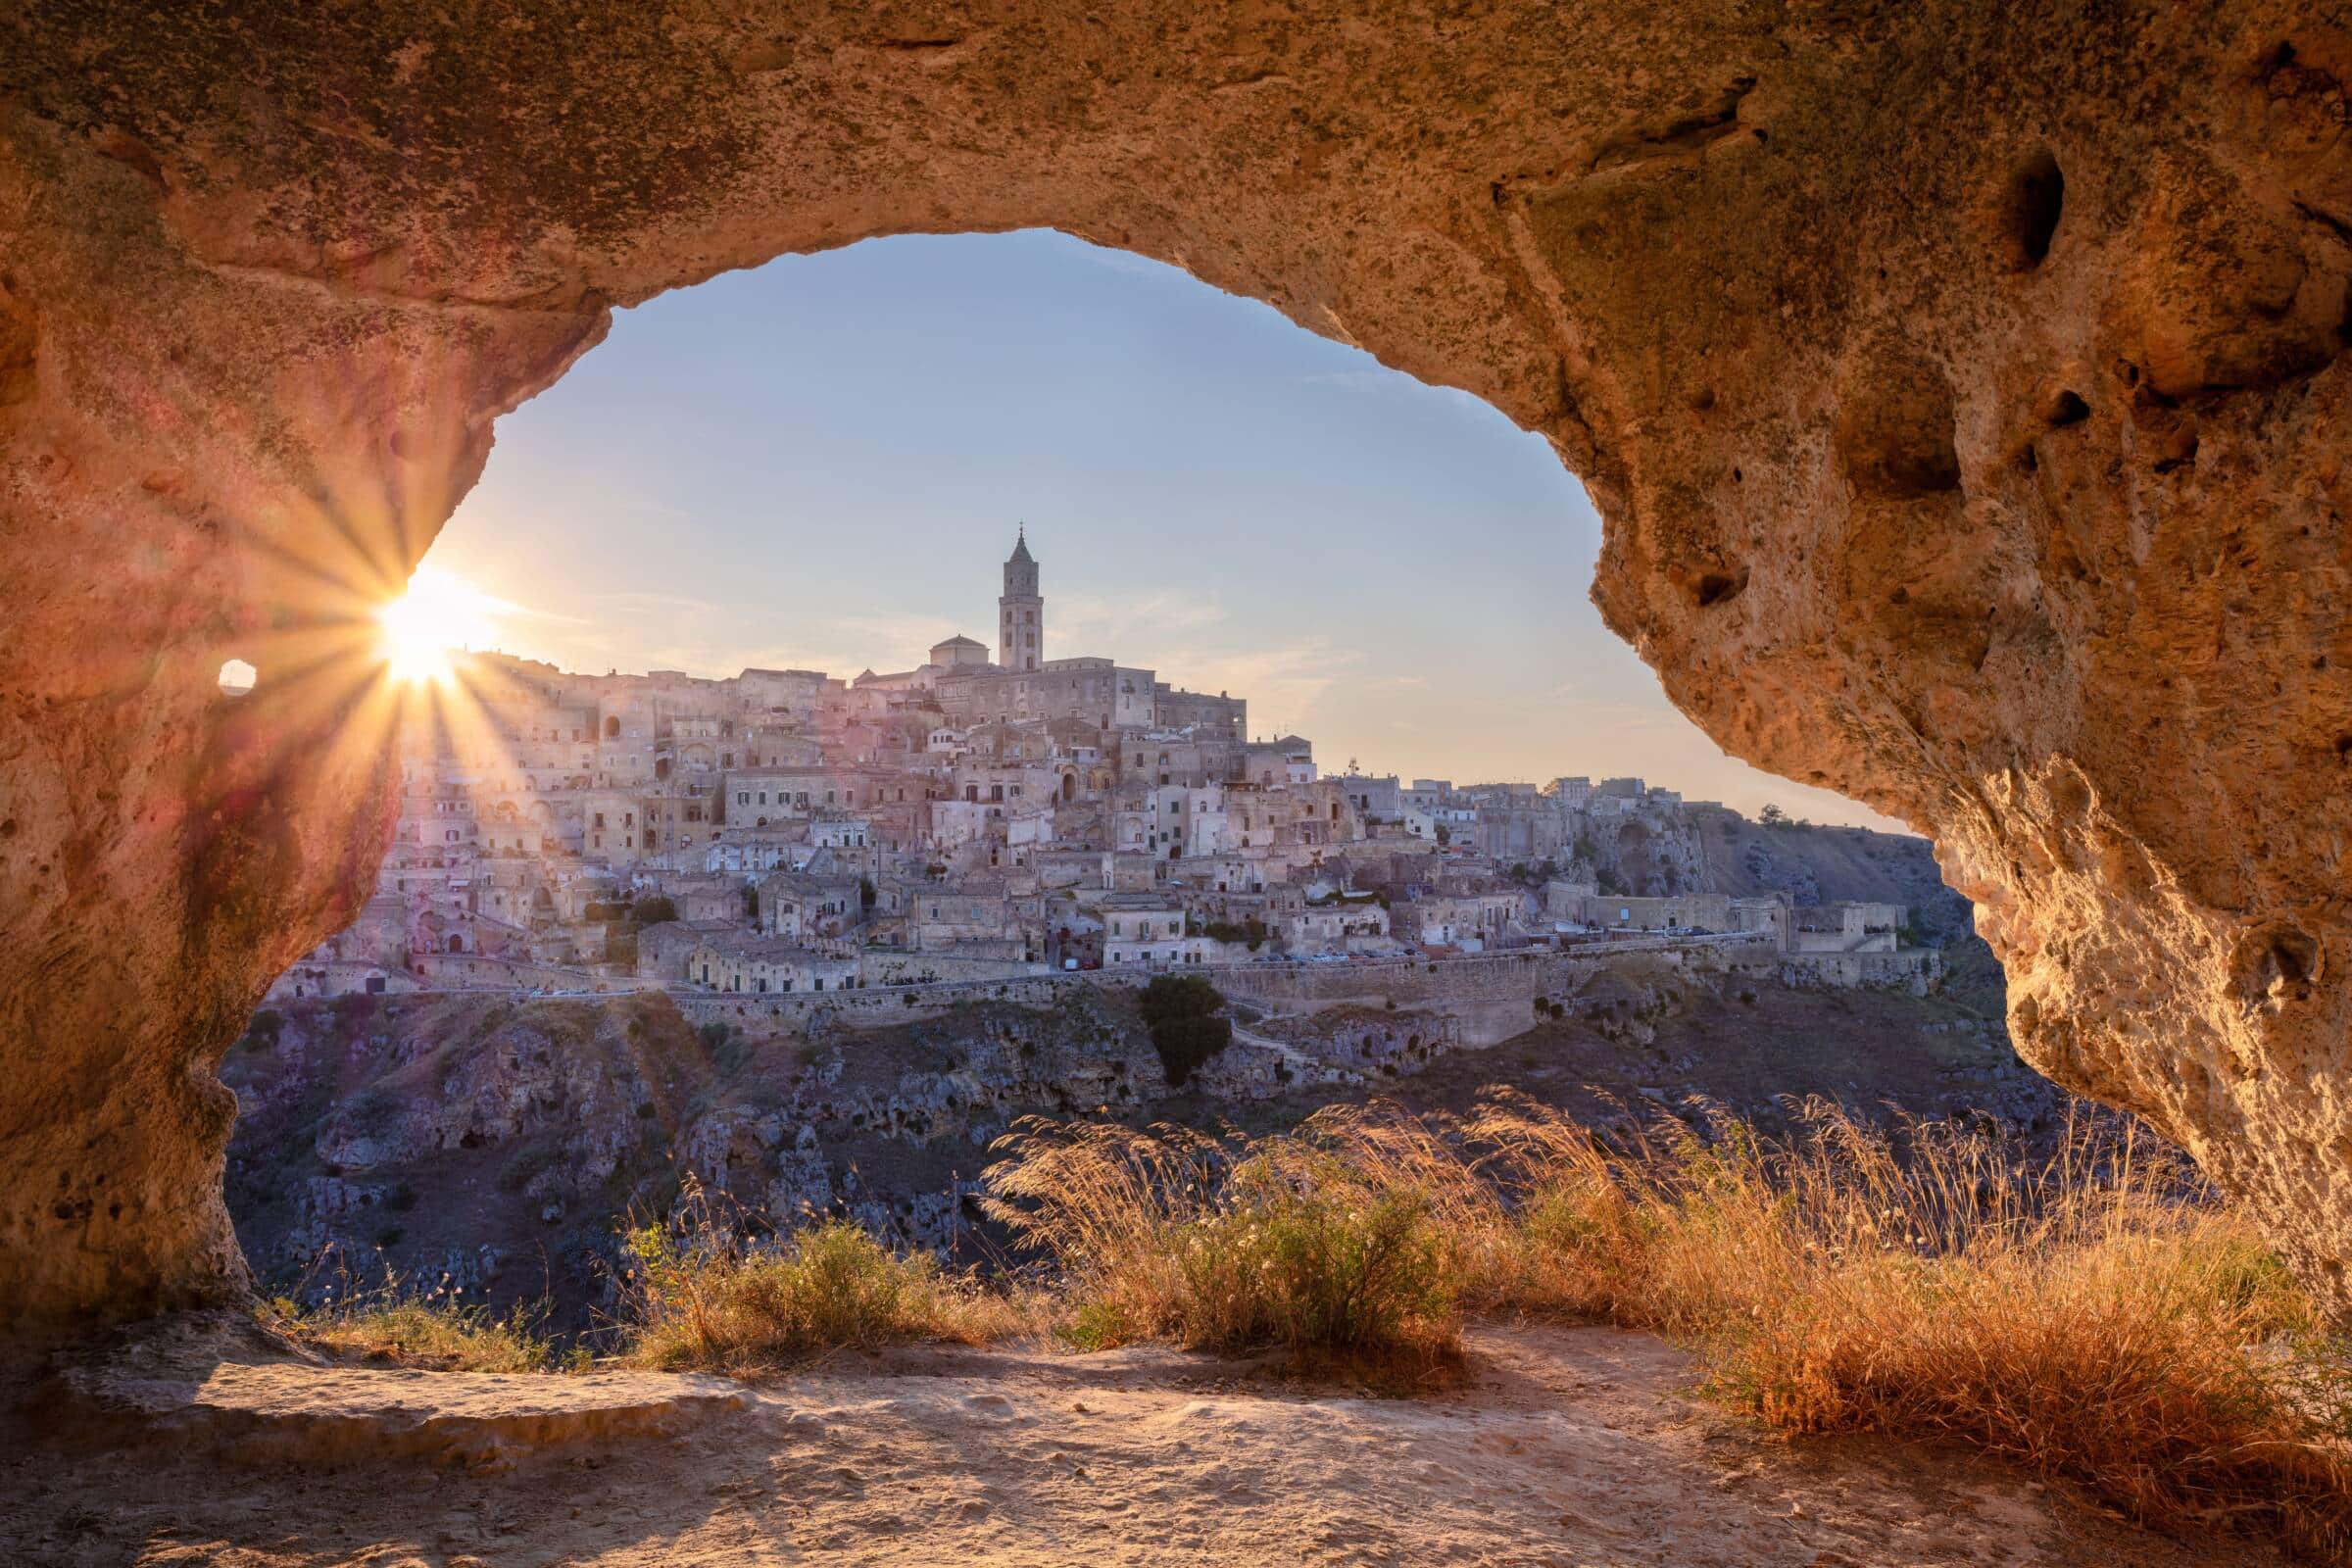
{"x": 1217, "y": 1245}
{"x": 2097, "y": 1317}
{"x": 435, "y": 1330}
{"x": 703, "y": 1296}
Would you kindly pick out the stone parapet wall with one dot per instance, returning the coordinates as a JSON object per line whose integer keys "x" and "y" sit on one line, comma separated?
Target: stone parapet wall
{"x": 1914, "y": 969}
{"x": 1514, "y": 977}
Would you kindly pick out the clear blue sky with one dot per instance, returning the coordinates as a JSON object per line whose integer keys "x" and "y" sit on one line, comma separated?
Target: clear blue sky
{"x": 821, "y": 463}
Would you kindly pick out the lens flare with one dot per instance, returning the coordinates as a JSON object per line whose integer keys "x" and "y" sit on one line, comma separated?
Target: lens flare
{"x": 439, "y": 613}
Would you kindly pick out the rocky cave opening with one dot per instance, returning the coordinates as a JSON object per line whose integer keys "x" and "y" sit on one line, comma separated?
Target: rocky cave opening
{"x": 255, "y": 333}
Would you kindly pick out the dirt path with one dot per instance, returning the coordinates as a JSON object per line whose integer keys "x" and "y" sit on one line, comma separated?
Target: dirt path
{"x": 1569, "y": 1447}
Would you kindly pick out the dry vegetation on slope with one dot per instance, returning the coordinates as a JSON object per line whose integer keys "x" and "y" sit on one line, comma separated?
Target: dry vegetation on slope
{"x": 2094, "y": 1316}
{"x": 701, "y": 1296}
{"x": 500, "y": 1142}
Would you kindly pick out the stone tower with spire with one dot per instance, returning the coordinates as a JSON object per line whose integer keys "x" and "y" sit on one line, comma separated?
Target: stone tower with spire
{"x": 1021, "y": 613}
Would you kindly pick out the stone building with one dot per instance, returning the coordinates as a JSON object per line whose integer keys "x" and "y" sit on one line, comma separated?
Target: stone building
{"x": 1147, "y": 930}
{"x": 1020, "y": 612}
{"x": 959, "y": 652}
{"x": 767, "y": 966}
{"x": 1381, "y": 798}
{"x": 1345, "y": 925}
{"x": 1222, "y": 716}
{"x": 1846, "y": 928}
{"x": 1279, "y": 764}
{"x": 1473, "y": 921}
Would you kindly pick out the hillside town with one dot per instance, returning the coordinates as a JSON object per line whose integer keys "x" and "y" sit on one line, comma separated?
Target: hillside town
{"x": 786, "y": 832}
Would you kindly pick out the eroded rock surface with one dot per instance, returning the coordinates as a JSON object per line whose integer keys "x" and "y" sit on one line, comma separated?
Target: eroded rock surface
{"x": 1963, "y": 387}
{"x": 1563, "y": 1446}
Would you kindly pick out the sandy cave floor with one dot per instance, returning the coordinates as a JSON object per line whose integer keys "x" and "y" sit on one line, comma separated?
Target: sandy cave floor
{"x": 1577, "y": 1447}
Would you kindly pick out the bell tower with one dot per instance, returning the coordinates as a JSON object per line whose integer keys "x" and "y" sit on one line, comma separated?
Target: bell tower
{"x": 1021, "y": 613}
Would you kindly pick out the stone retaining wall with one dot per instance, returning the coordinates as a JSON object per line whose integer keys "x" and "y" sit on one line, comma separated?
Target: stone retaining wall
{"x": 1487, "y": 978}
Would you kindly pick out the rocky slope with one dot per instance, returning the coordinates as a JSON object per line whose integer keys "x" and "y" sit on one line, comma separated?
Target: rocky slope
{"x": 497, "y": 1146}
{"x": 1720, "y": 851}
{"x": 1713, "y": 850}
{"x": 488, "y": 1144}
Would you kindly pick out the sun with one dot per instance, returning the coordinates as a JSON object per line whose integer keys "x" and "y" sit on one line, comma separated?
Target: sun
{"x": 441, "y": 612}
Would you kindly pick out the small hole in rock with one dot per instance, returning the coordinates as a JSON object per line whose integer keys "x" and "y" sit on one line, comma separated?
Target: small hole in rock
{"x": 237, "y": 678}
{"x": 2037, "y": 201}
{"x": 2278, "y": 964}
{"x": 2181, "y": 452}
{"x": 2068, "y": 408}
{"x": 1716, "y": 587}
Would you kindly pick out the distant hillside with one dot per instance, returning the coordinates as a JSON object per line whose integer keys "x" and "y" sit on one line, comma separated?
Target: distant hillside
{"x": 1714, "y": 850}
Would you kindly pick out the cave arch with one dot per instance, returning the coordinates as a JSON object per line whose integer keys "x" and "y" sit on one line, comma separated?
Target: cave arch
{"x": 270, "y": 282}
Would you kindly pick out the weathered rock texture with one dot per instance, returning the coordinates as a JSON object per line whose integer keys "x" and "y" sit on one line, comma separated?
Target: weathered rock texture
{"x": 1963, "y": 384}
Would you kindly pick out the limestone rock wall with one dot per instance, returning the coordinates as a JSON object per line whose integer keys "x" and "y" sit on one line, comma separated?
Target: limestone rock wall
{"x": 1962, "y": 384}
{"x": 500, "y": 1145}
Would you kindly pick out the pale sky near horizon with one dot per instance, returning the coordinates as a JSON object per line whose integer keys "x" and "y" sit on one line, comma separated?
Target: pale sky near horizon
{"x": 821, "y": 463}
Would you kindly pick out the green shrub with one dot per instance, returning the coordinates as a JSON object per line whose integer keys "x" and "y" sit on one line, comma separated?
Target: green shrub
{"x": 1250, "y": 932}
{"x": 1185, "y": 1015}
